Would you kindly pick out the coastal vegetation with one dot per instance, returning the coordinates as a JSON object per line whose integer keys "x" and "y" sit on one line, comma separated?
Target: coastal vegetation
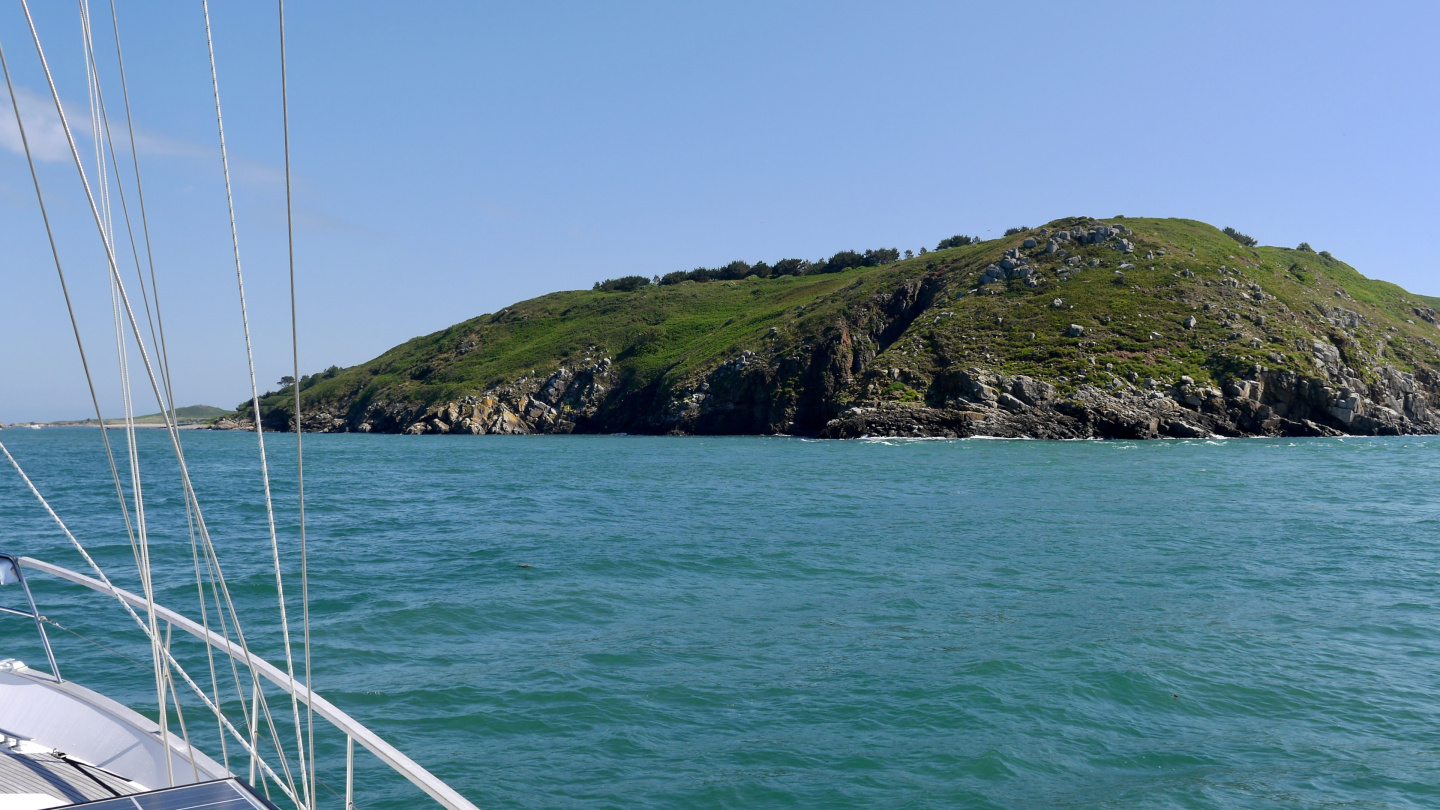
{"x": 738, "y": 270}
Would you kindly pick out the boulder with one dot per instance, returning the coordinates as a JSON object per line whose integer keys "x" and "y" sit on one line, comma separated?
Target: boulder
{"x": 1031, "y": 391}
{"x": 1189, "y": 322}
{"x": 1075, "y": 330}
{"x": 1184, "y": 430}
{"x": 1010, "y": 403}
{"x": 1346, "y": 406}
{"x": 1326, "y": 355}
{"x": 1030, "y": 242}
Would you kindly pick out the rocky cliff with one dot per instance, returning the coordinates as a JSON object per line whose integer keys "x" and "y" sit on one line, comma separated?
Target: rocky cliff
{"x": 1121, "y": 328}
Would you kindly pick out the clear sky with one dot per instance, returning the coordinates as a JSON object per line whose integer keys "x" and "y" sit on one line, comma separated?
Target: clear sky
{"x": 452, "y": 158}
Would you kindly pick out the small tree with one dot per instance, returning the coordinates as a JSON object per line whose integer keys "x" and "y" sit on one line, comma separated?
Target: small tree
{"x": 286, "y": 381}
{"x": 1247, "y": 241}
{"x": 844, "y": 260}
{"x": 881, "y": 256}
{"x": 791, "y": 267}
{"x": 1305, "y": 246}
{"x": 622, "y": 284}
{"x": 1013, "y": 231}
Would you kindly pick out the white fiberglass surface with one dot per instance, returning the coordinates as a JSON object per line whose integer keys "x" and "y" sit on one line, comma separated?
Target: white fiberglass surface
{"x": 94, "y": 729}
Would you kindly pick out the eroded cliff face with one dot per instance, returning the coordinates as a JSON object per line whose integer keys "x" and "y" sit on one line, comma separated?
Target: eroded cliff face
{"x": 827, "y": 390}
{"x": 936, "y": 353}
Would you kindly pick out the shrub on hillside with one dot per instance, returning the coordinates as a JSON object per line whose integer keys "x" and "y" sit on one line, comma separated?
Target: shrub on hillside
{"x": 847, "y": 259}
{"x": 1013, "y": 231}
{"x": 881, "y": 256}
{"x": 1247, "y": 241}
{"x": 622, "y": 284}
{"x": 1305, "y": 246}
{"x": 308, "y": 380}
{"x": 844, "y": 260}
{"x": 791, "y": 267}
{"x": 956, "y": 241}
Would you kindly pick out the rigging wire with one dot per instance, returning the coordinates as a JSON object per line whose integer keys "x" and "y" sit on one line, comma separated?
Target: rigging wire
{"x": 179, "y": 712}
{"x": 171, "y": 428}
{"x": 163, "y": 351}
{"x": 104, "y": 580}
{"x": 107, "y": 227}
{"x": 156, "y": 335}
{"x": 74, "y": 323}
{"x": 299, "y": 423}
{"x": 83, "y": 637}
{"x": 65, "y": 290}
{"x": 255, "y": 399}
{"x": 140, "y": 623}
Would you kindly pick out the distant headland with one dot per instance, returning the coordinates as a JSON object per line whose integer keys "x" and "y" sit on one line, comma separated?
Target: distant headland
{"x": 191, "y": 416}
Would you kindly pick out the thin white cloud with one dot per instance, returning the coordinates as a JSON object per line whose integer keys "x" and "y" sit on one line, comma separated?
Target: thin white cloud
{"x": 42, "y": 126}
{"x": 47, "y": 138}
{"x": 149, "y": 143}
{"x": 47, "y": 142}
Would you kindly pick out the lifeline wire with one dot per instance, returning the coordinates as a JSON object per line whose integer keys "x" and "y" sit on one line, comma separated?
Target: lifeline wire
{"x": 104, "y": 580}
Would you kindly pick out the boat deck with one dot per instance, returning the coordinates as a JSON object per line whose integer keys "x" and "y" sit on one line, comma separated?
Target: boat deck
{"x": 45, "y": 773}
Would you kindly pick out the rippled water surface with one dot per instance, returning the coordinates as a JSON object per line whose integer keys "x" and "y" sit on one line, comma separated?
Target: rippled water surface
{"x": 664, "y": 622}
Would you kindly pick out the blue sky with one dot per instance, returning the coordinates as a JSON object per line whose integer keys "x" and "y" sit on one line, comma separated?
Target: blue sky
{"x": 452, "y": 158}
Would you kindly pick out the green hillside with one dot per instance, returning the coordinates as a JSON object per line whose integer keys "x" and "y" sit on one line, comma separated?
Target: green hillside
{"x": 188, "y": 415}
{"x": 793, "y": 353}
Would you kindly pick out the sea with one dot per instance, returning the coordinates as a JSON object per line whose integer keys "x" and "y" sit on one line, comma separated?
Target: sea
{"x": 664, "y": 622}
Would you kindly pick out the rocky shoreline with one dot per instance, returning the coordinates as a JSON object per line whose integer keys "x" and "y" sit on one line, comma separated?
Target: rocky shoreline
{"x": 976, "y": 403}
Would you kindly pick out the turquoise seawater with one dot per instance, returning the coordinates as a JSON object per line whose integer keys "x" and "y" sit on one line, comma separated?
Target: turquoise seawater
{"x": 728, "y": 622}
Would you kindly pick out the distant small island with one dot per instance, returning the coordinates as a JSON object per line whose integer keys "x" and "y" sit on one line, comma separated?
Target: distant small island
{"x": 1083, "y": 328}
{"x": 190, "y": 416}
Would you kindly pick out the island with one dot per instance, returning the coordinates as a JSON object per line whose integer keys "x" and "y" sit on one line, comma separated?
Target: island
{"x": 1121, "y": 327}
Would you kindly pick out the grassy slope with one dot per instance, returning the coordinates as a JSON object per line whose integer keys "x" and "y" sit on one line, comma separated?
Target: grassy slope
{"x": 676, "y": 333}
{"x": 186, "y": 415}
{"x": 1157, "y": 301}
